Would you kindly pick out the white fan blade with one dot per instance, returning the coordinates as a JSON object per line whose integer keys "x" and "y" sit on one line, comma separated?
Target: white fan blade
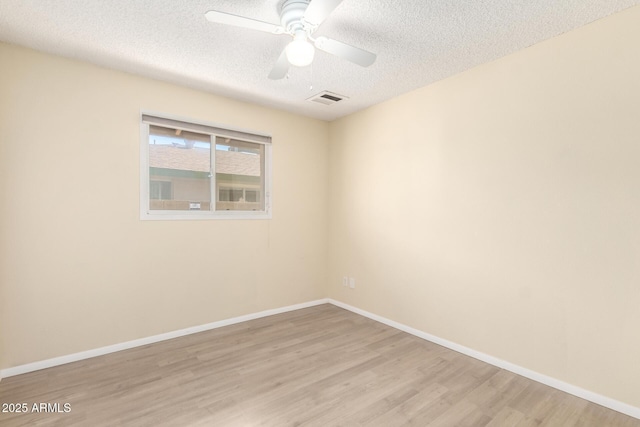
{"x": 281, "y": 68}
{"x": 318, "y": 10}
{"x": 343, "y": 50}
{"x": 241, "y": 21}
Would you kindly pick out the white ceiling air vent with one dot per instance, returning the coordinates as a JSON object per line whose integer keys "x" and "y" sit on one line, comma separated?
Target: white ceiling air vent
{"x": 326, "y": 98}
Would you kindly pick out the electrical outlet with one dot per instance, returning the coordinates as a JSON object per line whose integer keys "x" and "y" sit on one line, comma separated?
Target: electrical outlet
{"x": 345, "y": 281}
{"x": 352, "y": 282}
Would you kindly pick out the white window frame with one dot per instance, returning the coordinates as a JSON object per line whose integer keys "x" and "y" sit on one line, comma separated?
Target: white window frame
{"x": 243, "y": 135}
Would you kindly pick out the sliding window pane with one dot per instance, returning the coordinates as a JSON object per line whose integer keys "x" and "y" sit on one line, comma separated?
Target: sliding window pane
{"x": 179, "y": 170}
{"x": 239, "y": 175}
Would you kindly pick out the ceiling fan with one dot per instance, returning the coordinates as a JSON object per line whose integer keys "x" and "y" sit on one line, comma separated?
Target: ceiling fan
{"x": 299, "y": 19}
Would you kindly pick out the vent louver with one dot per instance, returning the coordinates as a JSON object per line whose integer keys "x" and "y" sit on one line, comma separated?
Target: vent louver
{"x": 327, "y": 98}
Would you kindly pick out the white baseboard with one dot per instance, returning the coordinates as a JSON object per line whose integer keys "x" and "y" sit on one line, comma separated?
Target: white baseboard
{"x": 35, "y": 366}
{"x": 607, "y": 402}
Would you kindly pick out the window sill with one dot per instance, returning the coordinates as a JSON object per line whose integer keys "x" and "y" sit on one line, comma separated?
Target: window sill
{"x": 202, "y": 215}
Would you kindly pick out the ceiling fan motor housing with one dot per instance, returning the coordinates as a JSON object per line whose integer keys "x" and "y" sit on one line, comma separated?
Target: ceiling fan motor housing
{"x": 291, "y": 15}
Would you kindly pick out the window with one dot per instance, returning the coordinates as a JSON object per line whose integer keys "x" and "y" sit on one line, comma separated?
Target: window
{"x": 160, "y": 190}
{"x": 252, "y": 195}
{"x": 193, "y": 171}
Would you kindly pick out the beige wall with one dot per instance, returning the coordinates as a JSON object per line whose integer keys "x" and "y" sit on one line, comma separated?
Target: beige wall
{"x": 78, "y": 268}
{"x": 500, "y": 208}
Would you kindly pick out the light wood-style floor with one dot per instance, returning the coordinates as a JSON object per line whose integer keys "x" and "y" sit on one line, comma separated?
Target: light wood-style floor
{"x": 321, "y": 366}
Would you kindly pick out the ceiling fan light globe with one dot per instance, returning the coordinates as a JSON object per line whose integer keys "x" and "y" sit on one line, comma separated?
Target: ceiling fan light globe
{"x": 300, "y": 53}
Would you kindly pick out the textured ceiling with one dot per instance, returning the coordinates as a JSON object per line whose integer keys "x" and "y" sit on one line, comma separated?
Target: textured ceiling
{"x": 417, "y": 42}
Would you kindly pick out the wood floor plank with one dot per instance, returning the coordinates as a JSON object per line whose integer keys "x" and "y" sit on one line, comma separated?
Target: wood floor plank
{"x": 506, "y": 417}
{"x": 321, "y": 366}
